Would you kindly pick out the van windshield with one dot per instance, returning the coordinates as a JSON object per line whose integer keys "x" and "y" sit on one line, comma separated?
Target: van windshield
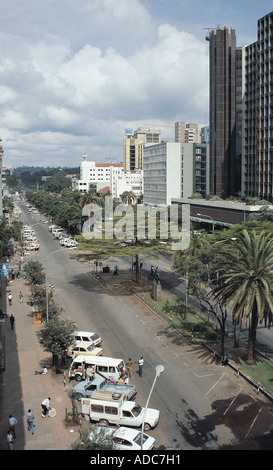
{"x": 136, "y": 410}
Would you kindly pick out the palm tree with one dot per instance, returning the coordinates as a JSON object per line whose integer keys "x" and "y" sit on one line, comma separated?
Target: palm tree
{"x": 89, "y": 198}
{"x": 246, "y": 281}
{"x": 128, "y": 197}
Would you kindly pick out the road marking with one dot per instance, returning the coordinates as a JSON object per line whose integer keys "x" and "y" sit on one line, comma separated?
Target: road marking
{"x": 232, "y": 402}
{"x": 214, "y": 385}
{"x": 253, "y": 422}
{"x": 205, "y": 375}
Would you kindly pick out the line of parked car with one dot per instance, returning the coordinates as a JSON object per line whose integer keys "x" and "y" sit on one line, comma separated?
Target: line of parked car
{"x": 106, "y": 398}
{"x": 61, "y": 234}
{"x": 29, "y": 239}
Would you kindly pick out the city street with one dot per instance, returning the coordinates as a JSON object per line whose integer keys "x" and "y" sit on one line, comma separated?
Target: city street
{"x": 202, "y": 405}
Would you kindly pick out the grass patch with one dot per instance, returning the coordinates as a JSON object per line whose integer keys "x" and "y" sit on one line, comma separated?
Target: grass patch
{"x": 195, "y": 328}
{"x": 262, "y": 371}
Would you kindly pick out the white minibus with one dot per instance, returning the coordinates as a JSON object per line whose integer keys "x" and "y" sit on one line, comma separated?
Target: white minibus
{"x": 106, "y": 366}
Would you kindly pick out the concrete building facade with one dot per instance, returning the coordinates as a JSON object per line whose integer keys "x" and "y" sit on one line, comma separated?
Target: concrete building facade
{"x": 133, "y": 146}
{"x": 173, "y": 170}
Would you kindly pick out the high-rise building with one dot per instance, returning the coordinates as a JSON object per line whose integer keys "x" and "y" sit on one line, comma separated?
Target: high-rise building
{"x": 173, "y": 170}
{"x": 258, "y": 139}
{"x": 222, "y": 44}
{"x": 133, "y": 146}
{"x": 187, "y": 133}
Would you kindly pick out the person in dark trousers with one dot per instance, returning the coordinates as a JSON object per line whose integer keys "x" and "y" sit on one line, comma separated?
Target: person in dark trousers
{"x": 140, "y": 366}
{"x": 45, "y": 406}
{"x": 224, "y": 361}
{"x": 12, "y": 320}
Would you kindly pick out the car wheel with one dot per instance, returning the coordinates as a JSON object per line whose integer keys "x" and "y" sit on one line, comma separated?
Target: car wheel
{"x": 79, "y": 396}
{"x": 78, "y": 377}
{"x": 147, "y": 427}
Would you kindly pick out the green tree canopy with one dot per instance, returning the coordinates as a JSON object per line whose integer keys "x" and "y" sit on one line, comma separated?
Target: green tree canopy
{"x": 57, "y": 335}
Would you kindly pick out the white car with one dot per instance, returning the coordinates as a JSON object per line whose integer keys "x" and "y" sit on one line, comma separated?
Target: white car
{"x": 122, "y": 438}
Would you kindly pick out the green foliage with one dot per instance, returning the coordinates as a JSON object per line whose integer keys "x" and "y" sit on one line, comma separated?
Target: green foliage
{"x": 102, "y": 441}
{"x": 57, "y": 335}
{"x": 34, "y": 272}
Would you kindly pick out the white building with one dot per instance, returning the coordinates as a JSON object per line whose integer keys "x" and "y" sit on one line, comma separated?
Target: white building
{"x": 121, "y": 181}
{"x": 94, "y": 175}
{"x": 173, "y": 170}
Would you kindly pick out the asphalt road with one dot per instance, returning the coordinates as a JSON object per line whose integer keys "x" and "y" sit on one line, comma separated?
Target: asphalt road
{"x": 202, "y": 405}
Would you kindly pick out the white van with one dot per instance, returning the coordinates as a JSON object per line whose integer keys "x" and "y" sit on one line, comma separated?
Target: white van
{"x": 104, "y": 366}
{"x": 113, "y": 408}
{"x": 89, "y": 336}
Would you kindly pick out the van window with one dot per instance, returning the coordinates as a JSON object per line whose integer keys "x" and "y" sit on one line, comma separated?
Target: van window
{"x": 102, "y": 369}
{"x": 111, "y": 410}
{"x": 97, "y": 408}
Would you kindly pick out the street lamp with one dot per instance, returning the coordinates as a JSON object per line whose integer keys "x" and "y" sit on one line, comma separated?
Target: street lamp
{"x": 205, "y": 215}
{"x": 158, "y": 370}
{"x": 55, "y": 251}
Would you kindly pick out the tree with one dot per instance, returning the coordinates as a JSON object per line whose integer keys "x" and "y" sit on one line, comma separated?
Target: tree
{"x": 89, "y": 198}
{"x": 199, "y": 265}
{"x": 56, "y": 336}
{"x": 128, "y": 197}
{"x": 246, "y": 281}
{"x": 37, "y": 298}
{"x": 102, "y": 441}
{"x": 34, "y": 272}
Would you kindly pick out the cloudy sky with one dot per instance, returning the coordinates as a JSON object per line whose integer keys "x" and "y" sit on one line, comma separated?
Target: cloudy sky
{"x": 74, "y": 74}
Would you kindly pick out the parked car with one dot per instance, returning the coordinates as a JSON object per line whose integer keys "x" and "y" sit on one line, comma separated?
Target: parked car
{"x": 123, "y": 438}
{"x": 84, "y": 348}
{"x": 89, "y": 336}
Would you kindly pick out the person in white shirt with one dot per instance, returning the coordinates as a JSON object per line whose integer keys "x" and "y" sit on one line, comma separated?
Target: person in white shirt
{"x": 12, "y": 424}
{"x": 140, "y": 366}
{"x": 10, "y": 440}
{"x": 45, "y": 406}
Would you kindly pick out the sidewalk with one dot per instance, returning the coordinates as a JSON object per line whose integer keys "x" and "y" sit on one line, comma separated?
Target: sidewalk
{"x": 21, "y": 389}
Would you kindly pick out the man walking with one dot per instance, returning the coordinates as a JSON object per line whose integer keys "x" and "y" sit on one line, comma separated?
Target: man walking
{"x": 30, "y": 418}
{"x": 12, "y": 424}
{"x": 10, "y": 440}
{"x": 140, "y": 366}
{"x": 12, "y": 320}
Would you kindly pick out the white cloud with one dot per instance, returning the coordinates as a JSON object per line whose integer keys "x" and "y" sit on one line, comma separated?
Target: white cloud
{"x": 78, "y": 75}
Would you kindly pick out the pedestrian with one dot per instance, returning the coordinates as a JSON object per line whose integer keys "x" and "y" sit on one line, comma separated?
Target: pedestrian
{"x": 224, "y": 361}
{"x": 45, "y": 406}
{"x": 12, "y": 424}
{"x": 129, "y": 365}
{"x": 122, "y": 373}
{"x": 140, "y": 366}
{"x": 12, "y": 320}
{"x": 115, "y": 272}
{"x": 10, "y": 299}
{"x": 30, "y": 424}
{"x": 10, "y": 440}
{"x": 21, "y": 296}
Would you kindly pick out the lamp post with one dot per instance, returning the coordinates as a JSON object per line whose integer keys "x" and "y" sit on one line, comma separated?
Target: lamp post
{"x": 204, "y": 215}
{"x": 158, "y": 370}
{"x": 55, "y": 251}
